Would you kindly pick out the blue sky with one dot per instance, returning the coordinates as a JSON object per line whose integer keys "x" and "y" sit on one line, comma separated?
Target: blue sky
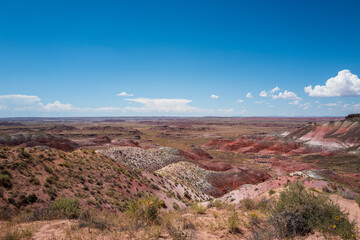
{"x": 179, "y": 58}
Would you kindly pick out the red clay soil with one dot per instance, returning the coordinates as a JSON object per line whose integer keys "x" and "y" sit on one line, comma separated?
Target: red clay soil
{"x": 125, "y": 143}
{"x": 203, "y": 159}
{"x": 289, "y": 166}
{"x": 347, "y": 131}
{"x": 258, "y": 144}
{"x": 99, "y": 140}
{"x": 228, "y": 181}
{"x": 36, "y": 139}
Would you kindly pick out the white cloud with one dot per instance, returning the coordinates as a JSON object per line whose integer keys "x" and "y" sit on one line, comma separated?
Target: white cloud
{"x": 356, "y": 106}
{"x": 275, "y": 89}
{"x": 263, "y": 94}
{"x": 296, "y": 102}
{"x": 239, "y": 101}
{"x": 286, "y": 95}
{"x": 18, "y": 99}
{"x": 283, "y": 95}
{"x": 306, "y": 105}
{"x": 331, "y": 104}
{"x": 259, "y": 102}
{"x": 213, "y": 96}
{"x": 345, "y": 84}
{"x": 124, "y": 94}
{"x": 346, "y": 105}
{"x": 249, "y": 95}
{"x": 162, "y": 105}
{"x": 226, "y": 111}
{"x": 58, "y": 106}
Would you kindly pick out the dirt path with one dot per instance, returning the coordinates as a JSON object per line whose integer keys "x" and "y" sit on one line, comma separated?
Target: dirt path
{"x": 53, "y": 230}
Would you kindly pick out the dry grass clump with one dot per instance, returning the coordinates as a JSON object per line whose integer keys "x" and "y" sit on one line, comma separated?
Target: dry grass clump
{"x": 17, "y": 234}
{"x": 234, "y": 222}
{"x": 144, "y": 211}
{"x": 197, "y": 208}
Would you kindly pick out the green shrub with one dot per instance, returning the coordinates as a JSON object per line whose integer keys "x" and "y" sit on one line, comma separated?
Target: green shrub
{"x": 5, "y": 181}
{"x": 3, "y": 155}
{"x": 233, "y": 222}
{"x": 248, "y": 204}
{"x": 67, "y": 207}
{"x": 145, "y": 210}
{"x": 32, "y": 198}
{"x": 93, "y": 220}
{"x": 17, "y": 235}
{"x": 176, "y": 206}
{"x": 271, "y": 192}
{"x": 197, "y": 208}
{"x": 299, "y": 212}
{"x": 34, "y": 180}
{"x": 23, "y": 153}
{"x": 154, "y": 186}
{"x": 357, "y": 200}
{"x": 187, "y": 195}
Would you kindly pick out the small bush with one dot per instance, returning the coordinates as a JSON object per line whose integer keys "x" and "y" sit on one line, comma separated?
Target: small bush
{"x": 357, "y": 200}
{"x": 17, "y": 235}
{"x": 24, "y": 154}
{"x": 67, "y": 207}
{"x": 197, "y": 208}
{"x": 271, "y": 192}
{"x": 254, "y": 219}
{"x": 234, "y": 222}
{"x": 176, "y": 206}
{"x": 154, "y": 186}
{"x": 187, "y": 195}
{"x": 5, "y": 181}
{"x": 145, "y": 210}
{"x": 32, "y": 198}
{"x": 299, "y": 212}
{"x": 248, "y": 204}
{"x": 93, "y": 220}
{"x": 175, "y": 232}
{"x": 34, "y": 180}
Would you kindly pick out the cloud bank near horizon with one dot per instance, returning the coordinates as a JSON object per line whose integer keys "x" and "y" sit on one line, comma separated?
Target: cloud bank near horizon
{"x": 345, "y": 84}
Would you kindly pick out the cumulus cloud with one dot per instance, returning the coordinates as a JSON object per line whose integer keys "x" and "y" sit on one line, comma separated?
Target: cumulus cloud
{"x": 58, "y": 106}
{"x": 249, "y": 95}
{"x": 162, "y": 105}
{"x": 286, "y": 95}
{"x": 125, "y": 94}
{"x": 345, "y": 84}
{"x": 281, "y": 95}
{"x": 213, "y": 96}
{"x": 239, "y": 101}
{"x": 275, "y": 89}
{"x": 263, "y": 94}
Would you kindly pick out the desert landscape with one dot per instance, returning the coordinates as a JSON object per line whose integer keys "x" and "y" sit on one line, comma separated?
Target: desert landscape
{"x": 175, "y": 178}
{"x": 179, "y": 120}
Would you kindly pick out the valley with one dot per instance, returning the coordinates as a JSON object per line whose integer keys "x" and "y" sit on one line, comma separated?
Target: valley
{"x": 190, "y": 166}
